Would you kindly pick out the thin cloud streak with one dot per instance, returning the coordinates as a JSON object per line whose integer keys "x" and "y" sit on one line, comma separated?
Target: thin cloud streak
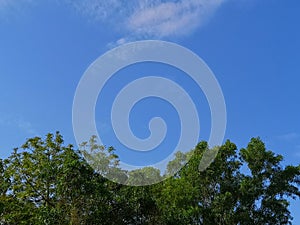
{"x": 171, "y": 18}
{"x": 139, "y": 19}
{"x": 150, "y": 18}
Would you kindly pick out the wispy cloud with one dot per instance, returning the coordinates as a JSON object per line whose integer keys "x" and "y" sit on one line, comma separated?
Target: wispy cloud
{"x": 137, "y": 19}
{"x": 19, "y": 123}
{"x": 150, "y": 18}
{"x": 171, "y": 18}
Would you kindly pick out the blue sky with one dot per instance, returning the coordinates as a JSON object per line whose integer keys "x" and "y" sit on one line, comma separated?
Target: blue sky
{"x": 252, "y": 46}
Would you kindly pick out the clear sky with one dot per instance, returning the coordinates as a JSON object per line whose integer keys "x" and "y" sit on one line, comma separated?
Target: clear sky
{"x": 252, "y": 46}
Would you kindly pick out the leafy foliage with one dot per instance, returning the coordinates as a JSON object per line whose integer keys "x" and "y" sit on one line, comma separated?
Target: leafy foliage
{"x": 48, "y": 182}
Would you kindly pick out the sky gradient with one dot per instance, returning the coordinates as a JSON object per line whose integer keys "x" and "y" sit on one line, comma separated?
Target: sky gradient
{"x": 252, "y": 46}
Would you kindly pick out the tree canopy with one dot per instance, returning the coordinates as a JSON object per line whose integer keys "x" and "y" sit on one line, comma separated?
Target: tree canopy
{"x": 48, "y": 182}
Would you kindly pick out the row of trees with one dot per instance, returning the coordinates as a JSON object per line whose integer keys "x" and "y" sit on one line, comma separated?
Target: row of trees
{"x": 48, "y": 182}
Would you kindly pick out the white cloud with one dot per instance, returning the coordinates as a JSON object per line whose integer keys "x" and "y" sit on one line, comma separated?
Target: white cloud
{"x": 121, "y": 41}
{"x": 150, "y": 18}
{"x": 171, "y": 18}
{"x": 139, "y": 18}
{"x": 117, "y": 43}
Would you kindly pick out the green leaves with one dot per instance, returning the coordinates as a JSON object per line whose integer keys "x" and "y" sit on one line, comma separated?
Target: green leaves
{"x": 52, "y": 181}
{"x": 48, "y": 182}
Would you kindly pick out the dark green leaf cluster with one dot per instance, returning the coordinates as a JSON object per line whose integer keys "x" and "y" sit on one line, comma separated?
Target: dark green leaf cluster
{"x": 48, "y": 182}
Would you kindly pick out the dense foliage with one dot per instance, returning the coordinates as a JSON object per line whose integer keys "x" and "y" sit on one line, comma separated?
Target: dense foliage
{"x": 47, "y": 182}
